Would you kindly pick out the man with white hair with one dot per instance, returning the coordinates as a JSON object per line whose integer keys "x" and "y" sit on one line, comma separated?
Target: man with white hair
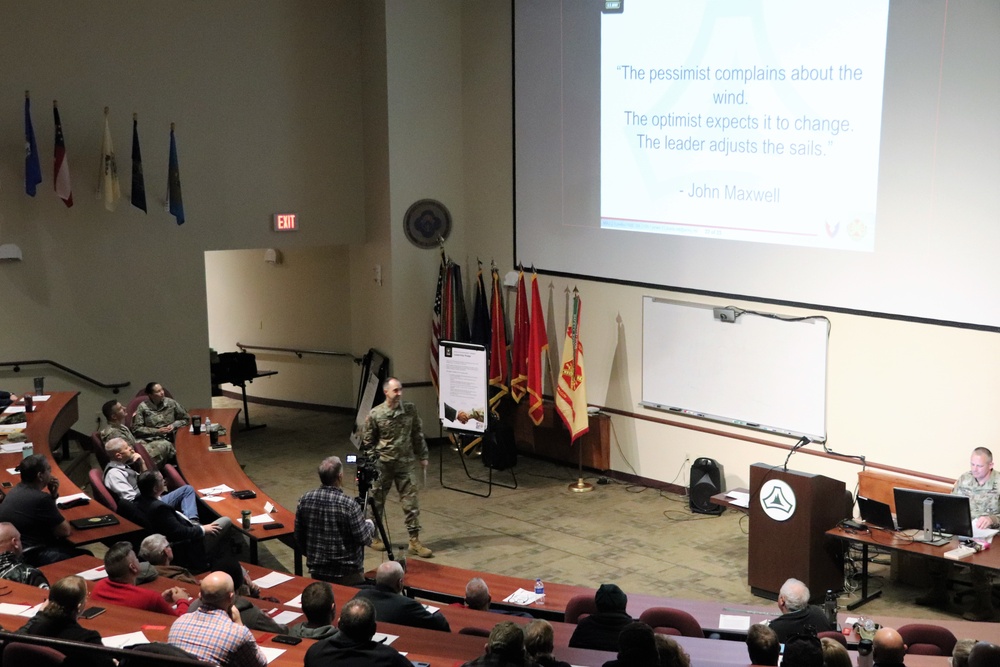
{"x": 121, "y": 476}
{"x": 796, "y": 612}
{"x": 156, "y": 551}
{"x": 392, "y": 606}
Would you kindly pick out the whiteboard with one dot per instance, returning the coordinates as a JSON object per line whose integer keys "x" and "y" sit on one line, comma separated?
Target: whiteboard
{"x": 760, "y": 371}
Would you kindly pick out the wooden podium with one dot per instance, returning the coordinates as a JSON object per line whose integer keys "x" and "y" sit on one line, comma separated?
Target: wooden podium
{"x": 797, "y": 546}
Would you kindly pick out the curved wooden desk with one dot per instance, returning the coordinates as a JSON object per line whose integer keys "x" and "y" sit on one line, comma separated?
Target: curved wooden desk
{"x": 203, "y": 468}
{"x": 46, "y": 426}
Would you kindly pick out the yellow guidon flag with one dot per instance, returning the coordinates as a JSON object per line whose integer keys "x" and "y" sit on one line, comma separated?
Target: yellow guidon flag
{"x": 571, "y": 394}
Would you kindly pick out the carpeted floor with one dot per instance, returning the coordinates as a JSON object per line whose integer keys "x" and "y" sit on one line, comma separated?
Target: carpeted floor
{"x": 637, "y": 537}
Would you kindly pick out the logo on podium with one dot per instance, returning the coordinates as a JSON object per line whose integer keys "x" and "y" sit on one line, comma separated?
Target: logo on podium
{"x": 777, "y": 500}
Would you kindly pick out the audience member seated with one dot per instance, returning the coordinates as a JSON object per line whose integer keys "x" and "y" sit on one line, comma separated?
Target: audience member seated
{"x": 158, "y": 416}
{"x": 539, "y": 642}
{"x": 797, "y": 615}
{"x": 477, "y": 596}
{"x": 984, "y": 654}
{"x": 888, "y": 648}
{"x": 391, "y": 606}
{"x": 122, "y": 567}
{"x": 251, "y": 616}
{"x": 803, "y": 650}
{"x": 31, "y": 507}
{"x": 57, "y": 619}
{"x": 319, "y": 607}
{"x": 121, "y": 476}
{"x": 214, "y": 632}
{"x": 352, "y": 646}
{"x": 160, "y": 449}
{"x": 7, "y": 399}
{"x": 636, "y": 647}
{"x": 600, "y": 631}
{"x": 763, "y": 645}
{"x": 504, "y": 648}
{"x": 194, "y": 546}
{"x": 960, "y": 654}
{"x": 835, "y": 654}
{"x": 670, "y": 652}
{"x": 156, "y": 551}
{"x": 12, "y": 566}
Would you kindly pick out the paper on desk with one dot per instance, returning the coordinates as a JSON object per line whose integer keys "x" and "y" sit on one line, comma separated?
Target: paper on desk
{"x": 30, "y": 613}
{"x": 13, "y": 609}
{"x": 128, "y": 639}
{"x": 523, "y": 597}
{"x": 40, "y": 398}
{"x": 270, "y": 653}
{"x": 13, "y": 409}
{"x": 12, "y": 428}
{"x": 984, "y": 533}
{"x": 93, "y": 574}
{"x": 739, "y": 498}
{"x": 67, "y": 499}
{"x": 12, "y": 471}
{"x": 383, "y": 638}
{"x": 216, "y": 490}
{"x": 272, "y": 579}
{"x": 432, "y": 609}
{"x": 213, "y": 499}
{"x": 268, "y": 507}
{"x": 13, "y": 447}
{"x": 286, "y": 617}
{"x": 259, "y": 518}
{"x": 295, "y": 601}
{"x": 731, "y": 622}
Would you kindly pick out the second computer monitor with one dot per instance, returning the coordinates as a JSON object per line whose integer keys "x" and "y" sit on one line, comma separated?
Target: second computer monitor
{"x": 951, "y": 513}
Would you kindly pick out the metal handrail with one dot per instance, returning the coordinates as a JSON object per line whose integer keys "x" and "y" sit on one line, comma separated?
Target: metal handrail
{"x": 113, "y": 386}
{"x": 297, "y": 352}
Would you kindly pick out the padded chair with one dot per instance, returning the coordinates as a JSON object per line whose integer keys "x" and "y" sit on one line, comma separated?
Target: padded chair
{"x": 475, "y": 632}
{"x": 101, "y": 492}
{"x": 18, "y": 654}
{"x": 132, "y": 406}
{"x": 173, "y": 477}
{"x": 927, "y": 639}
{"x": 97, "y": 449}
{"x": 835, "y": 636}
{"x": 668, "y": 621}
{"x": 580, "y": 606}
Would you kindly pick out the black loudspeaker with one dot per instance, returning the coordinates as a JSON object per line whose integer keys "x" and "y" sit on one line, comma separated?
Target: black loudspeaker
{"x": 707, "y": 479}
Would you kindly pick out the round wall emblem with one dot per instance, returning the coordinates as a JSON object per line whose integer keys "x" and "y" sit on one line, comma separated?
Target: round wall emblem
{"x": 427, "y": 222}
{"x": 777, "y": 500}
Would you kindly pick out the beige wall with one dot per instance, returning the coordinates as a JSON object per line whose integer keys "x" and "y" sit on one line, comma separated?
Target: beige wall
{"x": 367, "y": 107}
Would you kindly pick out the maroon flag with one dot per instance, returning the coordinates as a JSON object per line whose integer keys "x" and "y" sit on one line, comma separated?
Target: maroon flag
{"x": 498, "y": 345}
{"x": 60, "y": 172}
{"x": 538, "y": 343}
{"x": 522, "y": 331}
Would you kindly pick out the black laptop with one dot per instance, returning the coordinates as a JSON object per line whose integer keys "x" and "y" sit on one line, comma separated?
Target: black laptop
{"x": 876, "y": 513}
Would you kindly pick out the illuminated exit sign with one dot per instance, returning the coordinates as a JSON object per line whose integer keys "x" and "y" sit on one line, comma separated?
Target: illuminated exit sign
{"x": 286, "y": 222}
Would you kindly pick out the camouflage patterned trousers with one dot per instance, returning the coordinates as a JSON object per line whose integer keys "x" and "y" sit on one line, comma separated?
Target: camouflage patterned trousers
{"x": 161, "y": 451}
{"x": 404, "y": 476}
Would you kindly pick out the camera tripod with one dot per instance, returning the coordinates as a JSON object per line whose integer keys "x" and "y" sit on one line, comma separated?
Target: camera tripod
{"x": 366, "y": 501}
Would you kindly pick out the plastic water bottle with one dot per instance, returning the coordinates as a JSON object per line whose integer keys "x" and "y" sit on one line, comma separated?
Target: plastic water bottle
{"x": 540, "y": 590}
{"x": 830, "y": 608}
{"x": 208, "y": 423}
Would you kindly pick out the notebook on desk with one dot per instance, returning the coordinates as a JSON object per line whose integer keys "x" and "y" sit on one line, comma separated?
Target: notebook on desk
{"x": 94, "y": 522}
{"x": 876, "y": 513}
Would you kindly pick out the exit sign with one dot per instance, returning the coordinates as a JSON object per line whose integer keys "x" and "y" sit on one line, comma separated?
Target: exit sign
{"x": 286, "y": 222}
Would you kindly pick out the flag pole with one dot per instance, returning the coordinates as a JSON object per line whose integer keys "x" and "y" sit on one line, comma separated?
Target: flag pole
{"x": 579, "y": 486}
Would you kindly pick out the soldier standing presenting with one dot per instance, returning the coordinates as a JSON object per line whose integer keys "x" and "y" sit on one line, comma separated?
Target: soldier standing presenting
{"x": 393, "y": 438}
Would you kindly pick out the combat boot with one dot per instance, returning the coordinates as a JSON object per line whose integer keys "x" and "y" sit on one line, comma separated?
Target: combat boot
{"x": 377, "y": 544}
{"x": 417, "y": 549}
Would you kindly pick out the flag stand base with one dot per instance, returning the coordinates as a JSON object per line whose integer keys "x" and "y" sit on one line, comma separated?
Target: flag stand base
{"x": 581, "y": 486}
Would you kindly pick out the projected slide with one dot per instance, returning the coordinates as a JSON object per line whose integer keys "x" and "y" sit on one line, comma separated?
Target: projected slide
{"x": 740, "y": 120}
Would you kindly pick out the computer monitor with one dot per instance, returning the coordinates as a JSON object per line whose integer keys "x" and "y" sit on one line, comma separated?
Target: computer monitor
{"x": 951, "y": 513}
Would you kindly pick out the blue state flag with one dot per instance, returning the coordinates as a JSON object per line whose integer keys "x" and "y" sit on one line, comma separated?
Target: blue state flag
{"x": 32, "y": 167}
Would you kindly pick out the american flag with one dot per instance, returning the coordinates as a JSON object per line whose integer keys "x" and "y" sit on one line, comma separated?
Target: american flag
{"x": 436, "y": 322}
{"x": 60, "y": 169}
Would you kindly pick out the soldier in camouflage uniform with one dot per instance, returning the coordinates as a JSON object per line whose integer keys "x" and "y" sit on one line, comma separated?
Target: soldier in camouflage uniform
{"x": 394, "y": 438}
{"x": 160, "y": 449}
{"x": 982, "y": 486}
{"x": 12, "y": 568}
{"x": 159, "y": 416}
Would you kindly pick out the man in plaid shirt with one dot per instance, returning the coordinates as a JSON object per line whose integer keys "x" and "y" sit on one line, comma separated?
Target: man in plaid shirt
{"x": 331, "y": 529}
{"x": 215, "y": 632}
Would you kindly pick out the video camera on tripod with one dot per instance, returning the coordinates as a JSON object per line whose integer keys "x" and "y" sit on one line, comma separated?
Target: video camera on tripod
{"x": 365, "y": 475}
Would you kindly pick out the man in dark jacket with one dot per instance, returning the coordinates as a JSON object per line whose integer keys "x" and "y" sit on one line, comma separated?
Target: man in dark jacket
{"x": 194, "y": 546}
{"x": 797, "y": 615}
{"x": 353, "y": 645}
{"x": 600, "y": 631}
{"x": 391, "y": 606}
{"x": 505, "y": 648}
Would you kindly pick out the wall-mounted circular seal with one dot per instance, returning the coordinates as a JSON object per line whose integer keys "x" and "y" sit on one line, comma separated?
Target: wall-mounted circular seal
{"x": 427, "y": 222}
